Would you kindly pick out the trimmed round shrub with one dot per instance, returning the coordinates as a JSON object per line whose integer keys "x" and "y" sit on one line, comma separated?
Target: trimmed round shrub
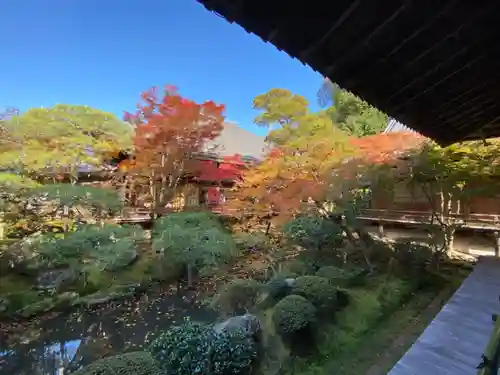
{"x": 278, "y": 288}
{"x": 293, "y": 313}
{"x": 331, "y": 272}
{"x": 313, "y": 232}
{"x": 134, "y": 363}
{"x": 184, "y": 349}
{"x": 238, "y": 296}
{"x": 317, "y": 290}
{"x": 297, "y": 268}
{"x": 233, "y": 353}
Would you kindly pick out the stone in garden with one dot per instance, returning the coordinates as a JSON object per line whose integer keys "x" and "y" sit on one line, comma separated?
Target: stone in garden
{"x": 55, "y": 279}
{"x": 290, "y": 282}
{"x": 4, "y": 305}
{"x": 247, "y": 322}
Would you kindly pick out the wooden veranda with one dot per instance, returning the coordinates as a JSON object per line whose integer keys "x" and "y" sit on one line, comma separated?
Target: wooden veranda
{"x": 454, "y": 342}
{"x": 486, "y": 222}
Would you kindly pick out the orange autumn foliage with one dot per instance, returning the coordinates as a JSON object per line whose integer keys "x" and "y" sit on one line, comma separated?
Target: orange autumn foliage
{"x": 283, "y": 183}
{"x": 286, "y": 180}
{"x": 169, "y": 129}
{"x": 384, "y": 147}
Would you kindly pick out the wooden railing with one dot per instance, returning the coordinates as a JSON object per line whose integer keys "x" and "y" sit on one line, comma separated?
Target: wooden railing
{"x": 474, "y": 221}
{"x": 142, "y": 214}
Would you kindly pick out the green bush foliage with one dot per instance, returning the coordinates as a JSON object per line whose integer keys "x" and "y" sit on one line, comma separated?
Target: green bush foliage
{"x": 164, "y": 269}
{"x": 107, "y": 247}
{"x": 251, "y": 241}
{"x": 195, "y": 348}
{"x": 278, "y": 288}
{"x": 342, "y": 276}
{"x": 293, "y": 313}
{"x": 233, "y": 353}
{"x": 411, "y": 254}
{"x": 318, "y": 290}
{"x": 202, "y": 248}
{"x": 197, "y": 239}
{"x": 313, "y": 232}
{"x": 99, "y": 201}
{"x": 184, "y": 349}
{"x": 351, "y": 324}
{"x": 238, "y": 296}
{"x": 134, "y": 363}
{"x": 197, "y": 220}
{"x": 392, "y": 292}
{"x": 296, "y": 268}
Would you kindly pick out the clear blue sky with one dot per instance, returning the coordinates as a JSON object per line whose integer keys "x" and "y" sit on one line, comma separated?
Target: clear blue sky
{"x": 104, "y": 53}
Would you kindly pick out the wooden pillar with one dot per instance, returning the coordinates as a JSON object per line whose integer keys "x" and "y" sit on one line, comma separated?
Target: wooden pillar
{"x": 381, "y": 230}
{"x": 496, "y": 235}
{"x": 2, "y": 227}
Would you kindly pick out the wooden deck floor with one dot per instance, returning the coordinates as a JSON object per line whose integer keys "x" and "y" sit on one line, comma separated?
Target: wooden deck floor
{"x": 457, "y": 337}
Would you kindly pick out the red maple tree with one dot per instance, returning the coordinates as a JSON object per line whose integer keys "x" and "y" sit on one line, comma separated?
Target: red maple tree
{"x": 170, "y": 132}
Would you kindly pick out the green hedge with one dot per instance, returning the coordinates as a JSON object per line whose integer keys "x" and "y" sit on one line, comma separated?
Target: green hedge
{"x": 135, "y": 363}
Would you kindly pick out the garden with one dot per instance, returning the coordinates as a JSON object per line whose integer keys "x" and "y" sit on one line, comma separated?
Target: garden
{"x": 307, "y": 312}
{"x": 298, "y": 285}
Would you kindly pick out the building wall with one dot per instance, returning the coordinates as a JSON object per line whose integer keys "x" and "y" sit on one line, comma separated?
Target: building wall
{"x": 406, "y": 198}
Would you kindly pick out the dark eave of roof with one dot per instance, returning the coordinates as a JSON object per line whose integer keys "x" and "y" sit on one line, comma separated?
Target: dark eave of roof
{"x": 432, "y": 65}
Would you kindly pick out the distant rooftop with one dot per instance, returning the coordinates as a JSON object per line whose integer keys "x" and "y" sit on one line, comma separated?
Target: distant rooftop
{"x": 236, "y": 140}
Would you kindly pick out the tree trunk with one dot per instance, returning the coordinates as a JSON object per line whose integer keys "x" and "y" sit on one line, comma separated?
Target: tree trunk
{"x": 189, "y": 269}
{"x": 268, "y": 227}
{"x": 449, "y": 239}
{"x": 152, "y": 192}
{"x": 66, "y": 219}
{"x": 358, "y": 243}
{"x": 2, "y": 226}
{"x": 163, "y": 186}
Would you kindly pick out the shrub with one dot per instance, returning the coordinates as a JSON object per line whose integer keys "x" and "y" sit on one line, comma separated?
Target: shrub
{"x": 183, "y": 349}
{"x": 342, "y": 276}
{"x": 238, "y": 296}
{"x": 162, "y": 268}
{"x": 293, "y": 313}
{"x": 392, "y": 292}
{"x": 278, "y": 288}
{"x": 318, "y": 290}
{"x": 331, "y": 272}
{"x": 411, "y": 254}
{"x": 251, "y": 241}
{"x": 108, "y": 247}
{"x": 297, "y": 268}
{"x": 233, "y": 353}
{"x": 313, "y": 232}
{"x": 199, "y": 220}
{"x": 201, "y": 248}
{"x": 134, "y": 363}
{"x": 99, "y": 201}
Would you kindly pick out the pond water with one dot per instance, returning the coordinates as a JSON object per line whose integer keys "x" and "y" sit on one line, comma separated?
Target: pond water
{"x": 62, "y": 344}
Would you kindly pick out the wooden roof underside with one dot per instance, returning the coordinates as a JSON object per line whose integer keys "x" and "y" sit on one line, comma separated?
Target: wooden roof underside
{"x": 432, "y": 65}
